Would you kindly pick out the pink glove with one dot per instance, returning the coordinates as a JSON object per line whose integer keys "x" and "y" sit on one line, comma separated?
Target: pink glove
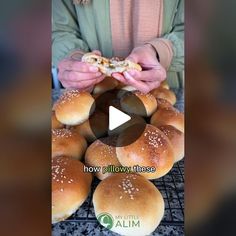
{"x": 76, "y": 74}
{"x": 150, "y": 77}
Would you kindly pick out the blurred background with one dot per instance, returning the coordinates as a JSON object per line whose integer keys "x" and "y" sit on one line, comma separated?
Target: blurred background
{"x": 210, "y": 101}
{"x": 25, "y": 101}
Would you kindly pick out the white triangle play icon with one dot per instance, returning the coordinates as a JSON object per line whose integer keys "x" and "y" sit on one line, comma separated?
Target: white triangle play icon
{"x": 117, "y": 118}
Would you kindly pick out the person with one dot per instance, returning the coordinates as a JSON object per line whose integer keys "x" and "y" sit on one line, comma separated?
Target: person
{"x": 150, "y": 33}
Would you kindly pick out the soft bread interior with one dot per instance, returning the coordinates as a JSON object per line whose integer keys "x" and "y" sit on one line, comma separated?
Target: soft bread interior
{"x": 109, "y": 66}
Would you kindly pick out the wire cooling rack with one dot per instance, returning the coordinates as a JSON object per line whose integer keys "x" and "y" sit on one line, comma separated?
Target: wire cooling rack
{"x": 171, "y": 187}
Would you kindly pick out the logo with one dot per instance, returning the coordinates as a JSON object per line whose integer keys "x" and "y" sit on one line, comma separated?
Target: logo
{"x": 106, "y": 220}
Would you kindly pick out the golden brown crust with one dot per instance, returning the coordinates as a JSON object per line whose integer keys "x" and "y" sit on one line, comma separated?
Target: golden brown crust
{"x": 102, "y": 155}
{"x": 135, "y": 102}
{"x": 132, "y": 195}
{"x": 67, "y": 142}
{"x": 107, "y": 100}
{"x": 124, "y": 90}
{"x": 163, "y": 103}
{"x": 73, "y": 107}
{"x": 176, "y": 138}
{"x": 109, "y": 66}
{"x": 70, "y": 187}
{"x": 107, "y": 84}
{"x": 168, "y": 116}
{"x": 164, "y": 93}
{"x": 164, "y": 84}
{"x": 120, "y": 85}
{"x": 56, "y": 124}
{"x": 152, "y": 149}
{"x": 99, "y": 119}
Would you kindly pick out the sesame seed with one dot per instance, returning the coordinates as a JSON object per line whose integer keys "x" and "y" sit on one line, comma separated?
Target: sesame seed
{"x": 61, "y": 133}
{"x": 67, "y": 97}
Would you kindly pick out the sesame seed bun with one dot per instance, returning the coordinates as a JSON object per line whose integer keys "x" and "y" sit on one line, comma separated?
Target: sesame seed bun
{"x": 70, "y": 187}
{"x": 109, "y": 66}
{"x": 164, "y": 93}
{"x": 73, "y": 107}
{"x": 151, "y": 149}
{"x": 103, "y": 155}
{"x": 164, "y": 84}
{"x": 56, "y": 124}
{"x": 67, "y": 142}
{"x": 95, "y": 96}
{"x": 163, "y": 103}
{"x": 107, "y": 99}
{"x": 107, "y": 84}
{"x": 176, "y": 138}
{"x": 130, "y": 200}
{"x": 120, "y": 85}
{"x": 99, "y": 120}
{"x": 168, "y": 116}
{"x": 138, "y": 103}
{"x": 124, "y": 90}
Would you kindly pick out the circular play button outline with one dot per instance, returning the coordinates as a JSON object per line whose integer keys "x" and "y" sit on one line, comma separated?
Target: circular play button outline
{"x": 111, "y": 105}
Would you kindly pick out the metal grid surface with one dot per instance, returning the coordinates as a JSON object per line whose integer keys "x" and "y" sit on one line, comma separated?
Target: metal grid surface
{"x": 171, "y": 187}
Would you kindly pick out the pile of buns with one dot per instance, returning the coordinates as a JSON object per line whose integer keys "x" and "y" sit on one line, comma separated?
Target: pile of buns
{"x": 75, "y": 147}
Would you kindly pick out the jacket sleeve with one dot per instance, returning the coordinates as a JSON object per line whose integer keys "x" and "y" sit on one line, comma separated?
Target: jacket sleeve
{"x": 170, "y": 47}
{"x": 66, "y": 36}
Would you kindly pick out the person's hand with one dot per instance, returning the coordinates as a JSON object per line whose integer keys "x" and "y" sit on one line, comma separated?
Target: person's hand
{"x": 80, "y": 75}
{"x": 152, "y": 74}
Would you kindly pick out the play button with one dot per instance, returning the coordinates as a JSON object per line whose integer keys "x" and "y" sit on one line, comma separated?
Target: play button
{"x": 117, "y": 118}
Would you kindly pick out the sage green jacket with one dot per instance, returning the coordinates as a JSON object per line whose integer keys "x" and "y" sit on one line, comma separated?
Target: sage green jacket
{"x": 87, "y": 27}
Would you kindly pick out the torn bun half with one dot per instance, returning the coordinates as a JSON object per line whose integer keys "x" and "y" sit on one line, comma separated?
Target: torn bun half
{"x": 109, "y": 66}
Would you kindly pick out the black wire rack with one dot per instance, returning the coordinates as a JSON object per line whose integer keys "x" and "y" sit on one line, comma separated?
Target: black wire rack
{"x": 171, "y": 187}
